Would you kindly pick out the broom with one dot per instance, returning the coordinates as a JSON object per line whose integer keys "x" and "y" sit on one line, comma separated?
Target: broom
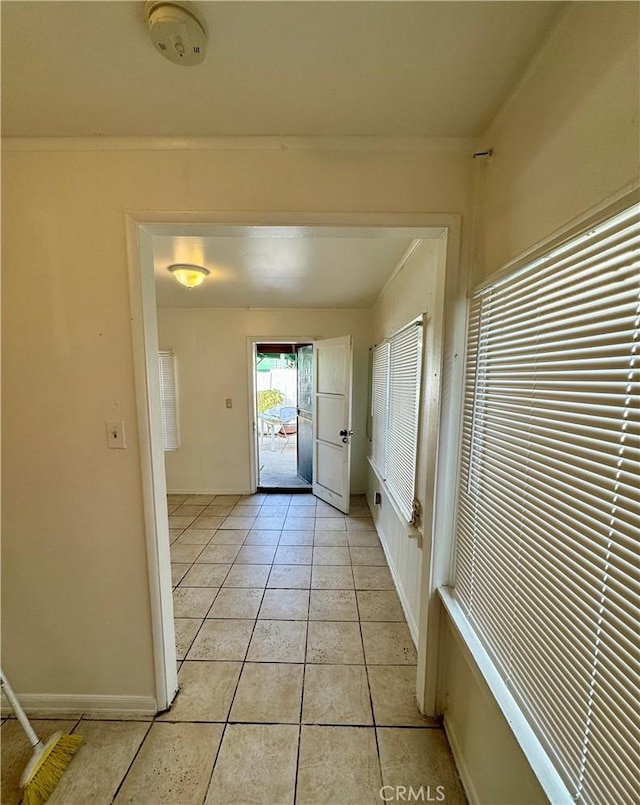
{"x": 49, "y": 760}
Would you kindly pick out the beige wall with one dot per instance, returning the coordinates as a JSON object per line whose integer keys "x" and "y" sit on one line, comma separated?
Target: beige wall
{"x": 492, "y": 765}
{"x": 568, "y": 138}
{"x": 75, "y": 595}
{"x": 212, "y": 363}
{"x": 410, "y": 293}
{"x": 75, "y": 617}
{"x": 566, "y": 142}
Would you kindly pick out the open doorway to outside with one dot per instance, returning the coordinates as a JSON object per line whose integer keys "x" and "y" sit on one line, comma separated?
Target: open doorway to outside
{"x": 283, "y": 383}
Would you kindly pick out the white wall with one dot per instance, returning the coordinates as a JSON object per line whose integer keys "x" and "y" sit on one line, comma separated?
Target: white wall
{"x": 211, "y": 358}
{"x": 75, "y": 594}
{"x": 411, "y": 292}
{"x": 566, "y": 142}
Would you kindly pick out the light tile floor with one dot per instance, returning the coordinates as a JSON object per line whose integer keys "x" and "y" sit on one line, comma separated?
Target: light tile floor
{"x": 296, "y": 671}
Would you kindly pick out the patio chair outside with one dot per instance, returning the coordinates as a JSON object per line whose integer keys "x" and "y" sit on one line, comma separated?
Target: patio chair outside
{"x": 289, "y": 417}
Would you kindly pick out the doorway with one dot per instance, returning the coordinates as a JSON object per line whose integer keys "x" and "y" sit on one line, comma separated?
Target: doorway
{"x": 321, "y": 418}
{"x": 143, "y": 231}
{"x": 283, "y": 385}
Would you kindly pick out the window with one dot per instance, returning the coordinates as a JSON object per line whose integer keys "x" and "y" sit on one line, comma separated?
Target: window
{"x": 380, "y": 407}
{"x": 547, "y": 569}
{"x": 395, "y": 405}
{"x": 168, "y": 400}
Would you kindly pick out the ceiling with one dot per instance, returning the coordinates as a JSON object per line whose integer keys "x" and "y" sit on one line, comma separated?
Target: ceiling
{"x": 280, "y": 268}
{"x": 384, "y": 68}
{"x": 388, "y": 68}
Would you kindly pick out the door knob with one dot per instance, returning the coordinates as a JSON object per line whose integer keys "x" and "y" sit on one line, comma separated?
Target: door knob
{"x": 345, "y": 435}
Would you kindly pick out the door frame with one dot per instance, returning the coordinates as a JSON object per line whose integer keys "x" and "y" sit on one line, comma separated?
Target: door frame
{"x": 252, "y": 342}
{"x": 436, "y": 563}
{"x": 144, "y": 325}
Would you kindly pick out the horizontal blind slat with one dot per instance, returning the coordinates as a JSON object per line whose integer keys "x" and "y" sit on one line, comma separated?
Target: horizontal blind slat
{"x": 548, "y": 515}
{"x": 168, "y": 400}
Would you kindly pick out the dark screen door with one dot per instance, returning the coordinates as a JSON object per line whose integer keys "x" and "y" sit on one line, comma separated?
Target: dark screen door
{"x": 305, "y": 413}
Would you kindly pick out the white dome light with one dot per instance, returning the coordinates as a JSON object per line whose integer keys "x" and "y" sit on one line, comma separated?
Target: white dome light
{"x": 189, "y": 275}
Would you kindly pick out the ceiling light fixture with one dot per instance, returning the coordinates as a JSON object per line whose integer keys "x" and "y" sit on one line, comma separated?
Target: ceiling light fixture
{"x": 178, "y": 31}
{"x": 189, "y": 275}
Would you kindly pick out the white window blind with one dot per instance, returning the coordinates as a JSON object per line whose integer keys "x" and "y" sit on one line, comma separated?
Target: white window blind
{"x": 168, "y": 400}
{"x": 547, "y": 568}
{"x": 397, "y": 373}
{"x": 380, "y": 406}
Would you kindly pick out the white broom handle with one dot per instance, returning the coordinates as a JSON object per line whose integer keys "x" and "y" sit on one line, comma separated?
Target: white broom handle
{"x": 17, "y": 709}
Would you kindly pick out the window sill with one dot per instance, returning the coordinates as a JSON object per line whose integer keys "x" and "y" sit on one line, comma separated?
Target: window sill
{"x": 548, "y": 777}
{"x": 411, "y": 530}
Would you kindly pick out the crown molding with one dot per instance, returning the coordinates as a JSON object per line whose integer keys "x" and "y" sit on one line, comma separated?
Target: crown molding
{"x": 283, "y": 144}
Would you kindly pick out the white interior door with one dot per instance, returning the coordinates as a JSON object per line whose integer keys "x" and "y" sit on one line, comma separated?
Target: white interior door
{"x": 332, "y": 420}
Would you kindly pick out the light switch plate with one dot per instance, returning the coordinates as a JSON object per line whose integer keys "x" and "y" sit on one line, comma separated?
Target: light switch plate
{"x": 115, "y": 434}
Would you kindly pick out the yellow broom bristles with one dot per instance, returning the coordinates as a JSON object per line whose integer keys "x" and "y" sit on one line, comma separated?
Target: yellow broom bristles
{"x": 49, "y": 769}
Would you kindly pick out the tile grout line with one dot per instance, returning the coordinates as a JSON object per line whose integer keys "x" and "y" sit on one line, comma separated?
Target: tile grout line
{"x": 203, "y": 619}
{"x": 133, "y": 760}
{"x": 243, "y": 662}
{"x": 299, "y": 512}
{"x": 306, "y": 655}
{"x": 304, "y": 677}
{"x": 215, "y": 759}
{"x": 366, "y": 670}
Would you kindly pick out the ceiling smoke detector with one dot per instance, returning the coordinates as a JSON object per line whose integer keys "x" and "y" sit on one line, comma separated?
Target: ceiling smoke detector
{"x": 178, "y": 31}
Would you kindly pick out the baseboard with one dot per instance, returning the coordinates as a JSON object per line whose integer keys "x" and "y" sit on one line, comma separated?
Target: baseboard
{"x": 232, "y": 492}
{"x": 461, "y": 766}
{"x": 209, "y": 491}
{"x": 411, "y": 623}
{"x": 61, "y": 704}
